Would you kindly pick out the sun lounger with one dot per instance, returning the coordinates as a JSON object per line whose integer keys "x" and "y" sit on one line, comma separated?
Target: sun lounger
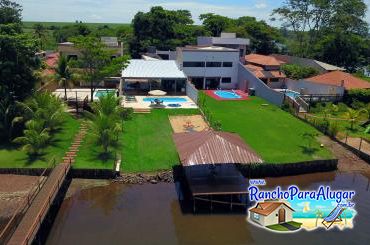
{"x": 334, "y": 216}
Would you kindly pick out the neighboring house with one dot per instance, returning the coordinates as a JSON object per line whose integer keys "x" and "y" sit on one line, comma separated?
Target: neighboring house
{"x": 271, "y": 213}
{"x": 321, "y": 67}
{"x": 266, "y": 68}
{"x": 209, "y": 67}
{"x": 340, "y": 78}
{"x": 226, "y": 40}
{"x": 51, "y": 61}
{"x": 71, "y": 52}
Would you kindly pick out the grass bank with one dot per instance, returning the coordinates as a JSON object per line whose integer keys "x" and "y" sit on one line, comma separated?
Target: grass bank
{"x": 12, "y": 157}
{"x": 273, "y": 133}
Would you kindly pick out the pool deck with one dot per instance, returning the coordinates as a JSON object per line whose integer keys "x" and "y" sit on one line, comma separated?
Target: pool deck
{"x": 211, "y": 93}
{"x": 141, "y": 104}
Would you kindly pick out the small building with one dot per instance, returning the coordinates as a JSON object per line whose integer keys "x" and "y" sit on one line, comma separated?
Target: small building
{"x": 226, "y": 40}
{"x": 340, "y": 78}
{"x": 71, "y": 52}
{"x": 266, "y": 68}
{"x": 209, "y": 67}
{"x": 271, "y": 213}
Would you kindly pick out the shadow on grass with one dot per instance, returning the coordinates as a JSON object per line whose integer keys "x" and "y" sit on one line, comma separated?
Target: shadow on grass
{"x": 30, "y": 159}
{"x": 308, "y": 150}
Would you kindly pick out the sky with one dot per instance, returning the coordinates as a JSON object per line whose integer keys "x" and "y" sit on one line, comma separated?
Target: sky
{"x": 122, "y": 11}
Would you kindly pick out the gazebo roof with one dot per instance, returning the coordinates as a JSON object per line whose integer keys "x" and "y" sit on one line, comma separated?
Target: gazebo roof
{"x": 211, "y": 147}
{"x": 152, "y": 69}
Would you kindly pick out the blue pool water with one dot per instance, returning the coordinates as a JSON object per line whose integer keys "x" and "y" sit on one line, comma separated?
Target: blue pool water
{"x": 291, "y": 94}
{"x": 227, "y": 94}
{"x": 101, "y": 93}
{"x": 166, "y": 99}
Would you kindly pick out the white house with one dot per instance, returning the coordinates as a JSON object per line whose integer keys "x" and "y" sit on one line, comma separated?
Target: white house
{"x": 227, "y": 40}
{"x": 209, "y": 67}
{"x": 271, "y": 213}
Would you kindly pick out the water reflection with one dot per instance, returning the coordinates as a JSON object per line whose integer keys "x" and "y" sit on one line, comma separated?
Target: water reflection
{"x": 151, "y": 214}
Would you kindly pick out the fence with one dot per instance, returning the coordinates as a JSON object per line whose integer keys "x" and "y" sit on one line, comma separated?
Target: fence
{"x": 191, "y": 92}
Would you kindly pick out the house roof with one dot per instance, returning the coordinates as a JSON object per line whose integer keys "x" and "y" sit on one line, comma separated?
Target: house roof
{"x": 336, "y": 78}
{"x": 306, "y": 62}
{"x": 264, "y": 60}
{"x": 266, "y": 208}
{"x": 153, "y": 69}
{"x": 261, "y": 73}
{"x": 208, "y": 48}
{"x": 211, "y": 147}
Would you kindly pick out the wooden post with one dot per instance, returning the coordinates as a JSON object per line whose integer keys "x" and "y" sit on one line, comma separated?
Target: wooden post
{"x": 193, "y": 205}
{"x": 359, "y": 148}
{"x": 231, "y": 202}
{"x": 211, "y": 204}
{"x": 76, "y": 104}
{"x": 346, "y": 138}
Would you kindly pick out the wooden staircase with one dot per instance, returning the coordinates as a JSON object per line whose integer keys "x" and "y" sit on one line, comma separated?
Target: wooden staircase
{"x": 73, "y": 149}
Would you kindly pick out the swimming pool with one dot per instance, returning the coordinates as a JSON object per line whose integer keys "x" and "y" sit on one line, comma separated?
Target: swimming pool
{"x": 100, "y": 93}
{"x": 227, "y": 94}
{"x": 166, "y": 99}
{"x": 291, "y": 94}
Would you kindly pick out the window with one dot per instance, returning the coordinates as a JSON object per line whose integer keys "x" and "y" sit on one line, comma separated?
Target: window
{"x": 226, "y": 80}
{"x": 193, "y": 64}
{"x": 256, "y": 216}
{"x": 213, "y": 64}
{"x": 227, "y": 64}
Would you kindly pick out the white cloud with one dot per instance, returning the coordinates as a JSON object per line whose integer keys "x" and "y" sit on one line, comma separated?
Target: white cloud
{"x": 260, "y": 5}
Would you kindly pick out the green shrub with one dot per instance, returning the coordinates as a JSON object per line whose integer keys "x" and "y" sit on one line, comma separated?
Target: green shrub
{"x": 297, "y": 72}
{"x": 333, "y": 129}
{"x": 361, "y": 95}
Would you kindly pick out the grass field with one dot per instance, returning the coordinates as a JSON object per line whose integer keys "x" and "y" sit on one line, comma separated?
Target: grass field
{"x": 273, "y": 133}
{"x": 146, "y": 144}
{"x": 30, "y": 24}
{"x": 12, "y": 157}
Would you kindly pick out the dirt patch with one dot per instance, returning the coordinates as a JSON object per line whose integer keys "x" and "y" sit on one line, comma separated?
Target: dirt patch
{"x": 13, "y": 190}
{"x": 181, "y": 124}
{"x": 347, "y": 161}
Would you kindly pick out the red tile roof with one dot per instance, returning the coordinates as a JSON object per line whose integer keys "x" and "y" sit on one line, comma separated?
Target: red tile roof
{"x": 261, "y": 73}
{"x": 266, "y": 208}
{"x": 336, "y": 78}
{"x": 52, "y": 60}
{"x": 263, "y": 60}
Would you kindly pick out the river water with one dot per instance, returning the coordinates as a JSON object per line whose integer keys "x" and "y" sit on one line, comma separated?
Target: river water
{"x": 150, "y": 214}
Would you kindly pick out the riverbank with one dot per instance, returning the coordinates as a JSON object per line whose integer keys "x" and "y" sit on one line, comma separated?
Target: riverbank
{"x": 13, "y": 190}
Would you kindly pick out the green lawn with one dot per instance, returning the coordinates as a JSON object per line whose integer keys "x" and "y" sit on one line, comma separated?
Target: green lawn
{"x": 279, "y": 227}
{"x": 273, "y": 133}
{"x": 146, "y": 144}
{"x": 12, "y": 157}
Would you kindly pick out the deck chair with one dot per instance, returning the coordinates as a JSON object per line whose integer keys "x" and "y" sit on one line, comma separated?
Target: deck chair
{"x": 334, "y": 216}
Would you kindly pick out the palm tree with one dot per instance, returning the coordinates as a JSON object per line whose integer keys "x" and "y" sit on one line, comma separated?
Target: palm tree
{"x": 35, "y": 137}
{"x": 353, "y": 115}
{"x": 45, "y": 107}
{"x": 64, "y": 74}
{"x": 105, "y": 121}
{"x": 319, "y": 214}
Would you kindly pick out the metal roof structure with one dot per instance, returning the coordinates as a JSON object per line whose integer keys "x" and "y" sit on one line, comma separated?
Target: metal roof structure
{"x": 152, "y": 69}
{"x": 211, "y": 147}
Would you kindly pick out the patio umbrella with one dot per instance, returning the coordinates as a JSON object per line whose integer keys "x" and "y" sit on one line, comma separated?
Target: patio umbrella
{"x": 157, "y": 92}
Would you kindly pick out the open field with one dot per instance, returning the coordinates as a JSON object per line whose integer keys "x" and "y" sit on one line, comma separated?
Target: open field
{"x": 29, "y": 24}
{"x": 146, "y": 144}
{"x": 273, "y": 133}
{"x": 12, "y": 157}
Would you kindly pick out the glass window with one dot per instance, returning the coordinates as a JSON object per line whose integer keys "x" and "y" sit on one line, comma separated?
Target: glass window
{"x": 193, "y": 64}
{"x": 213, "y": 64}
{"x": 226, "y": 80}
{"x": 227, "y": 64}
{"x": 256, "y": 216}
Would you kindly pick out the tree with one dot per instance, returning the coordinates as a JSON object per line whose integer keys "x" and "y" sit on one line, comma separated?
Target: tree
{"x": 35, "y": 137}
{"x": 353, "y": 115}
{"x": 63, "y": 74}
{"x": 297, "y": 72}
{"x": 214, "y": 23}
{"x": 17, "y": 54}
{"x": 40, "y": 32}
{"x": 158, "y": 28}
{"x": 105, "y": 121}
{"x": 319, "y": 214}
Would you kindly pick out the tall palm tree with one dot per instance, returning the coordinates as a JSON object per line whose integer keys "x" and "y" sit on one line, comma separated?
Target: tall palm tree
{"x": 64, "y": 74}
{"x": 353, "y": 115}
{"x": 319, "y": 214}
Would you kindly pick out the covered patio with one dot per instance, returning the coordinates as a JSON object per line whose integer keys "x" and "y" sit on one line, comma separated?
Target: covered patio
{"x": 142, "y": 76}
